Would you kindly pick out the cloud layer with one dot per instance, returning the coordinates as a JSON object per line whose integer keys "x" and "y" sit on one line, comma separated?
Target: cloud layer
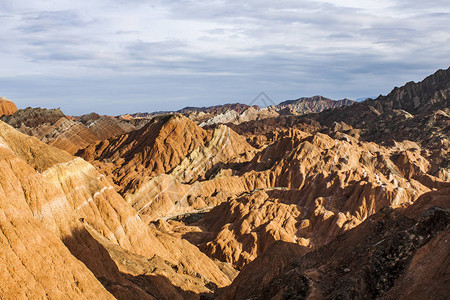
{"x": 117, "y": 56}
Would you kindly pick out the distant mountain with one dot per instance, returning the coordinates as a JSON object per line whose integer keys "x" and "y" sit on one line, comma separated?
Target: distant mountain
{"x": 218, "y": 109}
{"x": 425, "y": 96}
{"x": 410, "y": 101}
{"x": 360, "y": 99}
{"x": 306, "y": 105}
{"x": 67, "y": 133}
{"x": 416, "y": 112}
{"x": 213, "y": 110}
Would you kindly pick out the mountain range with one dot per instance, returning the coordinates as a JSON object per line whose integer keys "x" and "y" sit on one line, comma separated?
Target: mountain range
{"x": 309, "y": 199}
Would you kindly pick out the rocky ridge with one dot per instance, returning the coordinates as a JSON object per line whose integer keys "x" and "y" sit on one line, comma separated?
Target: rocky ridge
{"x": 64, "y": 132}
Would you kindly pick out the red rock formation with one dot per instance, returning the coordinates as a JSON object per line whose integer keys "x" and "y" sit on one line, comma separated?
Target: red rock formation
{"x": 105, "y": 127}
{"x": 155, "y": 149}
{"x": 64, "y": 134}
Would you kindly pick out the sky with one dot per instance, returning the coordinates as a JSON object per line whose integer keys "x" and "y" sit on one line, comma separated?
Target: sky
{"x": 125, "y": 56}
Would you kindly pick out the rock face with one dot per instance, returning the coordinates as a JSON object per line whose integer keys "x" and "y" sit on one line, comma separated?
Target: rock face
{"x": 314, "y": 104}
{"x": 7, "y": 107}
{"x": 64, "y": 134}
{"x": 105, "y": 127}
{"x": 30, "y": 234}
{"x": 155, "y": 149}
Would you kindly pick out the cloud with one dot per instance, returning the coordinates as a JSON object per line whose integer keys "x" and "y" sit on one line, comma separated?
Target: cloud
{"x": 46, "y": 21}
{"x": 179, "y": 53}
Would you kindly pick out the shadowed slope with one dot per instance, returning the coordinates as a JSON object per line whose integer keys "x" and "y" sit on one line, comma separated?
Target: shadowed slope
{"x": 389, "y": 256}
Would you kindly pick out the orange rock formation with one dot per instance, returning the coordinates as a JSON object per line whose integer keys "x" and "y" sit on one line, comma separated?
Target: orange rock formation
{"x": 7, "y": 107}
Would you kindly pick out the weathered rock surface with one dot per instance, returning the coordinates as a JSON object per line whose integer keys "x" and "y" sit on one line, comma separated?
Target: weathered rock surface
{"x": 155, "y": 149}
{"x": 416, "y": 112}
{"x": 390, "y": 258}
{"x": 33, "y": 117}
{"x": 307, "y": 189}
{"x": 64, "y": 134}
{"x": 105, "y": 127}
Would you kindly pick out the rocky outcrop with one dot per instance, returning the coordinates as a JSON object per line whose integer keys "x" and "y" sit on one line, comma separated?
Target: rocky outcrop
{"x": 155, "y": 149}
{"x": 64, "y": 134}
{"x": 428, "y": 95}
{"x": 417, "y": 112}
{"x": 7, "y": 107}
{"x": 186, "y": 187}
{"x": 33, "y": 226}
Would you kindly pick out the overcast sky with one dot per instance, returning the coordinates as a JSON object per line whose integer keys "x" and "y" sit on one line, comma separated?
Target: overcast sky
{"x": 119, "y": 56}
